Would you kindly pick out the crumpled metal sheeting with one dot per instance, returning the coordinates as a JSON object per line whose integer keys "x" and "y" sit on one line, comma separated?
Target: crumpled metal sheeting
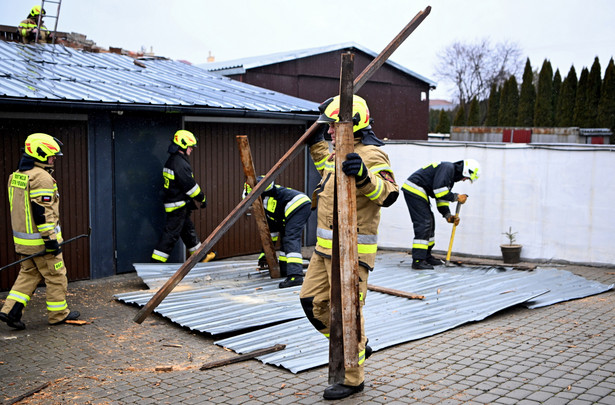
{"x": 390, "y": 320}
{"x": 218, "y": 297}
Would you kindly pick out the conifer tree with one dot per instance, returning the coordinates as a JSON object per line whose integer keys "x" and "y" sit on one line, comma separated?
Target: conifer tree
{"x": 543, "y": 112}
{"x": 594, "y": 82}
{"x": 460, "y": 117}
{"x": 493, "y": 106}
{"x": 444, "y": 123}
{"x": 567, "y": 100}
{"x": 527, "y": 98}
{"x": 580, "y": 102}
{"x": 557, "y": 88}
{"x": 509, "y": 103}
{"x": 606, "y": 109}
{"x": 474, "y": 114}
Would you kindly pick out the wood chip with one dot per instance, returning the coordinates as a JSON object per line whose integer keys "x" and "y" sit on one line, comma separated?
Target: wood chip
{"x": 78, "y": 322}
{"x": 164, "y": 368}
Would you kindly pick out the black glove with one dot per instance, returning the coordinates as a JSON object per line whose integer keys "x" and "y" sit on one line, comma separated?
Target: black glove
{"x": 52, "y": 247}
{"x": 262, "y": 262}
{"x": 319, "y": 135}
{"x": 204, "y": 204}
{"x": 354, "y": 166}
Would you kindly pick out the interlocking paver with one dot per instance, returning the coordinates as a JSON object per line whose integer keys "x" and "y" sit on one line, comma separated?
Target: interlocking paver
{"x": 563, "y": 353}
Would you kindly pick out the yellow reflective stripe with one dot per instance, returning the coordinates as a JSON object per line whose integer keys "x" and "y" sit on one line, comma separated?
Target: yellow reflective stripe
{"x": 56, "y": 305}
{"x": 295, "y": 202}
{"x": 376, "y": 193}
{"x": 361, "y": 357}
{"x": 28, "y": 219}
{"x": 367, "y": 249}
{"x": 441, "y": 192}
{"x": 294, "y": 260}
{"x": 28, "y": 242}
{"x": 10, "y": 199}
{"x": 19, "y": 297}
{"x": 194, "y": 191}
{"x": 169, "y": 207}
{"x": 442, "y": 203}
{"x": 321, "y": 163}
{"x": 413, "y": 190}
{"x": 378, "y": 168}
{"x": 420, "y": 244}
{"x": 330, "y": 165}
{"x": 282, "y": 259}
{"x": 434, "y": 164}
{"x": 45, "y": 227}
{"x": 326, "y": 243}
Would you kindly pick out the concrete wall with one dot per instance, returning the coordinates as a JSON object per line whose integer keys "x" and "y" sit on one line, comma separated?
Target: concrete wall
{"x": 558, "y": 198}
{"x": 539, "y": 134}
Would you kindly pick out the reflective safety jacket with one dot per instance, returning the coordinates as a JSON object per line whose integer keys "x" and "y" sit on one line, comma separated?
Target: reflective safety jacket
{"x": 179, "y": 184}
{"x": 280, "y": 203}
{"x": 378, "y": 190}
{"x": 27, "y": 26}
{"x": 436, "y": 181}
{"x": 35, "y": 209}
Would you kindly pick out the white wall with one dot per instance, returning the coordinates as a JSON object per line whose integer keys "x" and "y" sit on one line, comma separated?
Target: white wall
{"x": 557, "y": 197}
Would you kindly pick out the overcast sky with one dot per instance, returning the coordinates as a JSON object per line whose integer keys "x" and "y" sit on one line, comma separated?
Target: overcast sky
{"x": 567, "y": 32}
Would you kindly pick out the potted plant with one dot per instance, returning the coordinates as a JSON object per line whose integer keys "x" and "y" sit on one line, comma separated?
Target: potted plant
{"x": 511, "y": 251}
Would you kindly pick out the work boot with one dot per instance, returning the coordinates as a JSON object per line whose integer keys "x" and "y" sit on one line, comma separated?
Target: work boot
{"x": 72, "y": 316}
{"x": 291, "y": 281}
{"x": 368, "y": 351}
{"x": 13, "y": 318}
{"x": 339, "y": 391}
{"x": 434, "y": 261}
{"x": 421, "y": 265}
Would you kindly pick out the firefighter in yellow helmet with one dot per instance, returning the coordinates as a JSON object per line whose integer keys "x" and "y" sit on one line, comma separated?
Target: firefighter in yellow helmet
{"x": 375, "y": 188}
{"x": 32, "y": 25}
{"x": 180, "y": 193}
{"x": 34, "y": 201}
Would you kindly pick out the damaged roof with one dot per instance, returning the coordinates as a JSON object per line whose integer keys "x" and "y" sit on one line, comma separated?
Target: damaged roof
{"x": 45, "y": 72}
{"x": 234, "y": 298}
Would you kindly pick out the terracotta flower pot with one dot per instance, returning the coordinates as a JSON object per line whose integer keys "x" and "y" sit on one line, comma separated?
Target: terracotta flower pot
{"x": 511, "y": 253}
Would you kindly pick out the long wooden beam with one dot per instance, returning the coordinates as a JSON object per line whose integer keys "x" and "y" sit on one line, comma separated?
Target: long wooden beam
{"x": 257, "y": 208}
{"x": 235, "y": 214}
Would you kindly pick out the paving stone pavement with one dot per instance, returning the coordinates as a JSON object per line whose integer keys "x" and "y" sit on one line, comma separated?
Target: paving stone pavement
{"x": 560, "y": 354}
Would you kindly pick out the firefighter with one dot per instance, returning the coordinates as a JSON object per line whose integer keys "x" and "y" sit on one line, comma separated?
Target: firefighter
{"x": 287, "y": 212}
{"x": 436, "y": 181}
{"x": 375, "y": 188}
{"x": 180, "y": 193}
{"x": 29, "y": 27}
{"x": 34, "y": 201}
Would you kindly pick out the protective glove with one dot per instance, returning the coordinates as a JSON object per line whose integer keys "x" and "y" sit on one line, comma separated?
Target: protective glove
{"x": 262, "y": 262}
{"x": 204, "y": 204}
{"x": 354, "y": 166}
{"x": 462, "y": 198}
{"x": 452, "y": 219}
{"x": 319, "y": 135}
{"x": 52, "y": 247}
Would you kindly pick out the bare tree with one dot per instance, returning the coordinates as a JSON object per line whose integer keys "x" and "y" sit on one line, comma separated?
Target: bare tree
{"x": 474, "y": 67}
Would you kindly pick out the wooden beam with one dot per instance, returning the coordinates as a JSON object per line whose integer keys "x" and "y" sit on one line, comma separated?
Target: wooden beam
{"x": 258, "y": 211}
{"x": 243, "y": 357}
{"x": 397, "y": 293}
{"x": 297, "y": 148}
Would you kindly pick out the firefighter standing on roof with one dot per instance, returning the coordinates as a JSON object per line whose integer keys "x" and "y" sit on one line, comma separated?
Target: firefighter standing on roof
{"x": 35, "y": 218}
{"x": 375, "y": 188}
{"x": 287, "y": 212}
{"x": 28, "y": 28}
{"x": 180, "y": 193}
{"x": 436, "y": 181}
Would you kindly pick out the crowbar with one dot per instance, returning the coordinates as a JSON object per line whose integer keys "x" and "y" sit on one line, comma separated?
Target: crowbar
{"x": 85, "y": 235}
{"x": 450, "y": 245}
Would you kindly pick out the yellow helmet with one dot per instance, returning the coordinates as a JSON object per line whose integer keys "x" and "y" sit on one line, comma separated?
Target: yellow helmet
{"x": 36, "y": 10}
{"x": 41, "y": 146}
{"x": 184, "y": 139}
{"x": 330, "y": 112}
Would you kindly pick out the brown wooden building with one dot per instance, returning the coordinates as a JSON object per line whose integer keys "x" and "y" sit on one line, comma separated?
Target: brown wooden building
{"x": 398, "y": 98}
{"x": 116, "y": 117}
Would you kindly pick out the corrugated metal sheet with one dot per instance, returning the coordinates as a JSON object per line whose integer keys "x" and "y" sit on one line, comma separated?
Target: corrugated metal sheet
{"x": 232, "y": 297}
{"x": 237, "y": 66}
{"x": 55, "y": 72}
